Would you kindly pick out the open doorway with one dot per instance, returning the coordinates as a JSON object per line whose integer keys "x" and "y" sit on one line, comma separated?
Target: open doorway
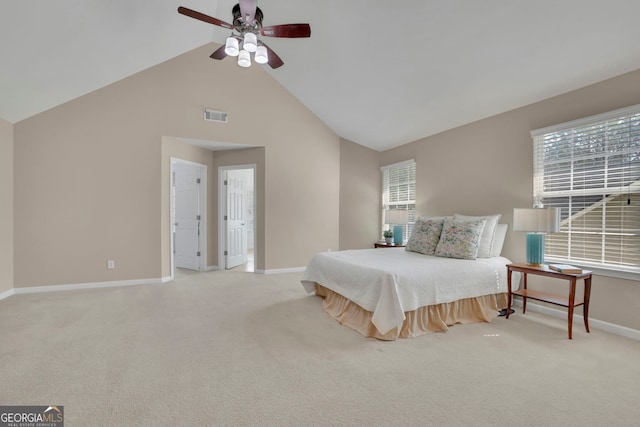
{"x": 237, "y": 201}
{"x": 188, "y": 215}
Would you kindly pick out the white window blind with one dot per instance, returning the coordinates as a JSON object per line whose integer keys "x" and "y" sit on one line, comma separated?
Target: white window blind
{"x": 399, "y": 191}
{"x": 590, "y": 169}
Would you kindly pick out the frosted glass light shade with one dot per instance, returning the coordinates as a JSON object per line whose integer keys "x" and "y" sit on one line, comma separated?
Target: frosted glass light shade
{"x": 261, "y": 56}
{"x": 231, "y": 46}
{"x": 250, "y": 42}
{"x": 244, "y": 59}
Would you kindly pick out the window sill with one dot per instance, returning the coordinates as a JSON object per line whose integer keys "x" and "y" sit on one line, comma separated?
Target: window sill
{"x": 600, "y": 270}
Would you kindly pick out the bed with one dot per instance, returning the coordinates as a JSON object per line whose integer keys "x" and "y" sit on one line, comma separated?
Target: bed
{"x": 449, "y": 273}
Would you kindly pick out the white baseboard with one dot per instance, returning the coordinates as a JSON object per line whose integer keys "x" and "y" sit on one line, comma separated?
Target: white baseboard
{"x": 282, "y": 270}
{"x": 579, "y": 320}
{"x": 7, "y": 294}
{"x": 91, "y": 285}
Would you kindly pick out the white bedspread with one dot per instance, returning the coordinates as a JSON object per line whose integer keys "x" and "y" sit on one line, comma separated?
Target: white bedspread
{"x": 390, "y": 281}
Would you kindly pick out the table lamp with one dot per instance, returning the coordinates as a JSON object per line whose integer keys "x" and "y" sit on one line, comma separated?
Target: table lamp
{"x": 397, "y": 218}
{"x": 537, "y": 222}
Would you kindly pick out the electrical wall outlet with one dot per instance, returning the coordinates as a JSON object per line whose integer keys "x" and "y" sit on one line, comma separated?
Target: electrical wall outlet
{"x": 111, "y": 264}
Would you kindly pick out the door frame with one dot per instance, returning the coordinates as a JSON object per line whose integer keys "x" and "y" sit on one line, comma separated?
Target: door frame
{"x": 202, "y": 238}
{"x": 222, "y": 211}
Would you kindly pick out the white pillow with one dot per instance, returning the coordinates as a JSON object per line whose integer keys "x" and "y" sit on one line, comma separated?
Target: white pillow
{"x": 498, "y": 239}
{"x": 488, "y": 234}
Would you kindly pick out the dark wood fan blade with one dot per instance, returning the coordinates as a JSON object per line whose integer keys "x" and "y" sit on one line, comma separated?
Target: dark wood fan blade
{"x": 274, "y": 59}
{"x": 248, "y": 7}
{"x": 287, "y": 30}
{"x": 202, "y": 17}
{"x": 219, "y": 53}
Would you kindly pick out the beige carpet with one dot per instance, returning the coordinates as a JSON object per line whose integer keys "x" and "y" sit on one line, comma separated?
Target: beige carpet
{"x": 229, "y": 348}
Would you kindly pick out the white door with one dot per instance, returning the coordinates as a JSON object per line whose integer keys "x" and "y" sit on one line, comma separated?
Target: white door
{"x": 187, "y": 216}
{"x": 236, "y": 220}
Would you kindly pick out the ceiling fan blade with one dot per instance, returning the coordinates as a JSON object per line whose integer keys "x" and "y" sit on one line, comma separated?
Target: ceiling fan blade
{"x": 219, "y": 53}
{"x": 202, "y": 17}
{"x": 287, "y": 30}
{"x": 248, "y": 8}
{"x": 274, "y": 59}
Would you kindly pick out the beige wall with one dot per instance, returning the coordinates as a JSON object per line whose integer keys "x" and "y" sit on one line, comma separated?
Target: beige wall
{"x": 88, "y": 174}
{"x": 360, "y": 196}
{"x": 302, "y": 187}
{"x": 486, "y": 167}
{"x": 6, "y": 206}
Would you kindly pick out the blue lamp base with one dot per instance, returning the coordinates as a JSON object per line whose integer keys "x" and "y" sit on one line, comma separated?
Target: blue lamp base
{"x": 397, "y": 234}
{"x": 535, "y": 248}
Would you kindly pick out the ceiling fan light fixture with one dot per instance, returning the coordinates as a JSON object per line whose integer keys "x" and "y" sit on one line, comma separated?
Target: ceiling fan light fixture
{"x": 261, "y": 56}
{"x": 244, "y": 59}
{"x": 245, "y": 31}
{"x": 231, "y": 47}
{"x": 250, "y": 42}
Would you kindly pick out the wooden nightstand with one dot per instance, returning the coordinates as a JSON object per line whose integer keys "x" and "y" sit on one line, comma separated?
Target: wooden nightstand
{"x": 569, "y": 302}
{"x": 384, "y": 245}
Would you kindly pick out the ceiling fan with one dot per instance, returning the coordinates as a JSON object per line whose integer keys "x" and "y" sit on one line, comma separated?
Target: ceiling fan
{"x": 247, "y": 24}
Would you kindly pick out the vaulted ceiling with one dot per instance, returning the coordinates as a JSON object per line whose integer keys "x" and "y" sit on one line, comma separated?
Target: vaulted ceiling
{"x": 379, "y": 73}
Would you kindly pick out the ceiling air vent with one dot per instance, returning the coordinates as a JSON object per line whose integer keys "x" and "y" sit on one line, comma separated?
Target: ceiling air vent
{"x": 215, "y": 116}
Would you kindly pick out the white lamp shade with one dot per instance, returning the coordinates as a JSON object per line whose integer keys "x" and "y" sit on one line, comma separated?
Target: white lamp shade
{"x": 250, "y": 42}
{"x": 261, "y": 56}
{"x": 396, "y": 216}
{"x": 231, "y": 47}
{"x": 539, "y": 220}
{"x": 244, "y": 59}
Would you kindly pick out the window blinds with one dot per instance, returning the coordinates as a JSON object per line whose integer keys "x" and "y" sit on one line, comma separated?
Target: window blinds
{"x": 399, "y": 191}
{"x": 590, "y": 169}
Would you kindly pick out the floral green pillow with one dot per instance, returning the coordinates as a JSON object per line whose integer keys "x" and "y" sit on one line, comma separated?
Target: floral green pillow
{"x": 425, "y": 236}
{"x": 460, "y": 239}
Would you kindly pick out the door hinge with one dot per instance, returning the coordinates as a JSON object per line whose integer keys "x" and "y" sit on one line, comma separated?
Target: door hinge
{"x": 226, "y": 253}
{"x": 225, "y": 217}
{"x": 225, "y": 182}
{"x": 198, "y": 253}
{"x": 198, "y": 181}
{"x": 198, "y": 217}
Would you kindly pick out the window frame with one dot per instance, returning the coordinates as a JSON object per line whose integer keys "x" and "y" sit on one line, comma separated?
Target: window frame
{"x": 404, "y": 204}
{"x": 611, "y": 147}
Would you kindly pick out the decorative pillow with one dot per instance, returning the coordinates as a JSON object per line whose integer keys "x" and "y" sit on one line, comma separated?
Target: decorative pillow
{"x": 459, "y": 239}
{"x": 425, "y": 235}
{"x": 498, "y": 239}
{"x": 488, "y": 234}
